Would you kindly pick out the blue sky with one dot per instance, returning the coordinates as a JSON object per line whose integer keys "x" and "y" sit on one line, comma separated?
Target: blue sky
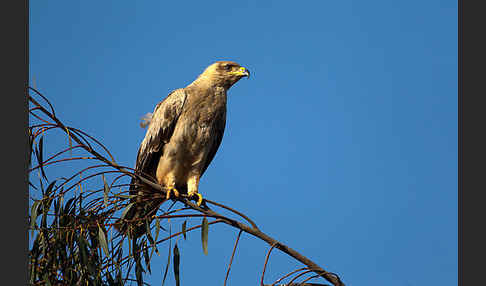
{"x": 343, "y": 144}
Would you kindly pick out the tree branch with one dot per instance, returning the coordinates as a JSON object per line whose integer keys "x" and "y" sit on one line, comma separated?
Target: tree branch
{"x": 253, "y": 229}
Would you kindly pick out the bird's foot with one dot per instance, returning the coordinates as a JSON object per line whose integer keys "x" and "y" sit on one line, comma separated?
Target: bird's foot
{"x": 172, "y": 190}
{"x": 197, "y": 197}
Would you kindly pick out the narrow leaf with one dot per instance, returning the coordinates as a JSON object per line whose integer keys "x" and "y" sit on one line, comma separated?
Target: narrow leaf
{"x": 31, "y": 144}
{"x": 68, "y": 205}
{"x": 157, "y": 228}
{"x": 39, "y": 158}
{"x": 49, "y": 188}
{"x": 42, "y": 186}
{"x": 45, "y": 209}
{"x": 106, "y": 190}
{"x": 102, "y": 239}
{"x": 184, "y": 229}
{"x": 57, "y": 203}
{"x": 168, "y": 259}
{"x": 126, "y": 210}
{"x": 152, "y": 241}
{"x": 32, "y": 272}
{"x": 129, "y": 244}
{"x": 204, "y": 235}
{"x": 177, "y": 260}
{"x": 83, "y": 251}
{"x": 150, "y": 238}
{"x": 33, "y": 215}
{"x": 154, "y": 248}
{"x": 138, "y": 272}
{"x": 46, "y": 280}
{"x": 149, "y": 231}
{"x": 61, "y": 200}
{"x": 125, "y": 196}
{"x": 147, "y": 259}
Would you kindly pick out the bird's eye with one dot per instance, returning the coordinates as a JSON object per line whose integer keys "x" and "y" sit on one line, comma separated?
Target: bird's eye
{"x": 227, "y": 67}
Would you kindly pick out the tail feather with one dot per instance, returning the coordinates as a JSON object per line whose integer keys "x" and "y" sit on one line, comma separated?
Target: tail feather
{"x": 145, "y": 206}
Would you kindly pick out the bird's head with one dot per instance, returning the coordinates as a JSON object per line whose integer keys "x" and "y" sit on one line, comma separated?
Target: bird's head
{"x": 225, "y": 73}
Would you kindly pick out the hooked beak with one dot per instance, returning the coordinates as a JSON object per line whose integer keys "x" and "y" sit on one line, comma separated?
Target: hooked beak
{"x": 242, "y": 71}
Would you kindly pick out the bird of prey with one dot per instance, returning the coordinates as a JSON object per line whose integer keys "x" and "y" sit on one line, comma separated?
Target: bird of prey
{"x": 183, "y": 135}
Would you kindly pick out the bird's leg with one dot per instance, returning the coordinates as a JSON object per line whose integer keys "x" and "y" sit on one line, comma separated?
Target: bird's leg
{"x": 169, "y": 182}
{"x": 172, "y": 189}
{"x": 192, "y": 189}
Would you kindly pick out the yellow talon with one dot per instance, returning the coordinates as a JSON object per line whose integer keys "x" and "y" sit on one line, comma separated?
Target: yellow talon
{"x": 199, "y": 199}
{"x": 173, "y": 190}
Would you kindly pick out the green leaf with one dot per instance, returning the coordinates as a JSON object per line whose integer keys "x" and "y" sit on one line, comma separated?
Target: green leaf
{"x": 102, "y": 239}
{"x": 125, "y": 196}
{"x": 138, "y": 263}
{"x": 184, "y": 229}
{"x": 147, "y": 259}
{"x": 44, "y": 219}
{"x": 83, "y": 250}
{"x": 56, "y": 207}
{"x": 31, "y": 144}
{"x": 106, "y": 191}
{"x": 33, "y": 215}
{"x": 46, "y": 280}
{"x": 152, "y": 241}
{"x": 157, "y": 228}
{"x": 138, "y": 273}
{"x": 154, "y": 248}
{"x": 204, "y": 235}
{"x": 126, "y": 210}
{"x": 149, "y": 232}
{"x": 68, "y": 205}
{"x": 61, "y": 199}
{"x": 39, "y": 156}
{"x": 177, "y": 260}
{"x": 168, "y": 260}
{"x": 32, "y": 272}
{"x": 45, "y": 209}
{"x": 49, "y": 188}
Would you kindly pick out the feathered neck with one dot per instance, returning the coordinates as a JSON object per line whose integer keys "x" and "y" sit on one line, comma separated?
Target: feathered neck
{"x": 208, "y": 80}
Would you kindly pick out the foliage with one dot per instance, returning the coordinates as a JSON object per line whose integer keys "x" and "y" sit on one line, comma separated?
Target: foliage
{"x": 72, "y": 218}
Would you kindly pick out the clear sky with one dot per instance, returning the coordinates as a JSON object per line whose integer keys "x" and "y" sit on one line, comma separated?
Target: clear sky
{"x": 342, "y": 144}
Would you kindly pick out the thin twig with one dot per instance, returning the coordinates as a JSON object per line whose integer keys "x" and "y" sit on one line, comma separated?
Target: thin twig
{"x": 171, "y": 236}
{"x": 61, "y": 160}
{"x": 289, "y": 274}
{"x": 234, "y": 211}
{"x": 297, "y": 276}
{"x": 253, "y": 230}
{"x": 232, "y": 255}
{"x": 266, "y": 261}
{"x": 43, "y": 97}
{"x": 309, "y": 278}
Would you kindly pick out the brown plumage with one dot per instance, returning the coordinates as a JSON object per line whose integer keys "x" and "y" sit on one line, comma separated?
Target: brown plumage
{"x": 182, "y": 138}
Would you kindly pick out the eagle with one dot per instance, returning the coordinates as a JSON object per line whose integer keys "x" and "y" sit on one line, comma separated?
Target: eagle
{"x": 183, "y": 135}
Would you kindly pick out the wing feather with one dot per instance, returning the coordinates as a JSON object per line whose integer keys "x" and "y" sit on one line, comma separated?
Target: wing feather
{"x": 217, "y": 138}
{"x": 159, "y": 132}
{"x": 160, "y": 129}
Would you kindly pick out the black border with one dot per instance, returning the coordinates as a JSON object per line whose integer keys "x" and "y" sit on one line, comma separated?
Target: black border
{"x": 471, "y": 143}
{"x": 14, "y": 116}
